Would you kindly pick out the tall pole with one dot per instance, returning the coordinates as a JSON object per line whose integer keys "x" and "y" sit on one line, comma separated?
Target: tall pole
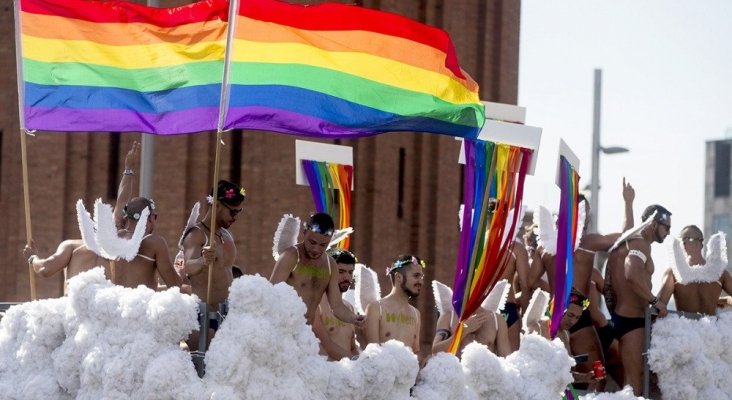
{"x": 595, "y": 179}
{"x": 147, "y": 156}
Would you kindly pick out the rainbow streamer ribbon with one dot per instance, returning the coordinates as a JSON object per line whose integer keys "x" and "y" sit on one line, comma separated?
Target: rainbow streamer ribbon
{"x": 566, "y": 234}
{"x": 324, "y": 178}
{"x": 492, "y": 170}
{"x": 327, "y": 70}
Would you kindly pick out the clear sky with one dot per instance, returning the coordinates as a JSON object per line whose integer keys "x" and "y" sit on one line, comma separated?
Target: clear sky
{"x": 667, "y": 88}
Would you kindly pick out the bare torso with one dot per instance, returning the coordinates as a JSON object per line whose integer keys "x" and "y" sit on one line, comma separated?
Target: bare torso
{"x": 222, "y": 275}
{"x": 697, "y": 297}
{"x": 340, "y": 332}
{"x": 310, "y": 279}
{"x": 139, "y": 271}
{"x": 548, "y": 261}
{"x": 83, "y": 259}
{"x": 399, "y": 321}
{"x": 582, "y": 273}
{"x": 628, "y": 302}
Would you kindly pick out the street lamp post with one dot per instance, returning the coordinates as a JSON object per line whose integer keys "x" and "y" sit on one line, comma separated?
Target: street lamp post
{"x": 596, "y": 150}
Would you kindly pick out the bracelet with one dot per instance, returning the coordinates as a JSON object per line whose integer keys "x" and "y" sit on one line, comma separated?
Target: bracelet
{"x": 128, "y": 172}
{"x": 653, "y": 301}
{"x": 32, "y": 258}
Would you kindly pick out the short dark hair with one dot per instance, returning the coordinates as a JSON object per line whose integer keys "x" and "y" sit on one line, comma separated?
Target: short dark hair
{"x": 402, "y": 261}
{"x": 230, "y": 193}
{"x": 662, "y": 214}
{"x": 342, "y": 256}
{"x": 321, "y": 223}
{"x": 133, "y": 209}
{"x": 694, "y": 229}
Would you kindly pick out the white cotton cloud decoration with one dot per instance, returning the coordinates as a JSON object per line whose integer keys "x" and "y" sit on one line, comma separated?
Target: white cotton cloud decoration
{"x": 692, "y": 358}
{"x": 29, "y": 333}
{"x": 625, "y": 394}
{"x": 443, "y": 379}
{"x": 265, "y": 349}
{"x": 123, "y": 343}
{"x": 540, "y": 369}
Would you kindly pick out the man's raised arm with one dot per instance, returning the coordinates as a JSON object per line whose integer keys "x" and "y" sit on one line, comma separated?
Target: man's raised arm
{"x": 335, "y": 299}
{"x": 127, "y": 185}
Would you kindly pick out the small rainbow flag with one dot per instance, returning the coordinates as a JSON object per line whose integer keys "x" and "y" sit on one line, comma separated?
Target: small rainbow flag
{"x": 117, "y": 66}
{"x": 329, "y": 70}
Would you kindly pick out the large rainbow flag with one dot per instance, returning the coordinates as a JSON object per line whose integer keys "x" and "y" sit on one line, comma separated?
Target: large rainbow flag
{"x": 330, "y": 70}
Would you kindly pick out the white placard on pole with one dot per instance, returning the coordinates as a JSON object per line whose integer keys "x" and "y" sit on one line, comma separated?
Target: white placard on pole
{"x": 317, "y": 151}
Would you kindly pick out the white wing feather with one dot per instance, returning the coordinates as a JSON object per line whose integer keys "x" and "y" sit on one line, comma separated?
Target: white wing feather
{"x": 111, "y": 244}
{"x": 339, "y": 235}
{"x": 443, "y": 297}
{"x": 581, "y": 217}
{"x": 496, "y": 299}
{"x": 536, "y": 309}
{"x": 716, "y": 262}
{"x": 547, "y": 235}
{"x": 367, "y": 287}
{"x": 632, "y": 232}
{"x": 286, "y": 235}
{"x": 87, "y": 227}
{"x": 192, "y": 219}
{"x": 717, "y": 252}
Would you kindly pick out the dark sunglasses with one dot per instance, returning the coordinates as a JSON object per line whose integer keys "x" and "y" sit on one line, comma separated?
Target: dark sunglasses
{"x": 691, "y": 239}
{"x": 232, "y": 211}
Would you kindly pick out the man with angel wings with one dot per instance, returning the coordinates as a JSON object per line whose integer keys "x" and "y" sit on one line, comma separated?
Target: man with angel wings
{"x": 694, "y": 280}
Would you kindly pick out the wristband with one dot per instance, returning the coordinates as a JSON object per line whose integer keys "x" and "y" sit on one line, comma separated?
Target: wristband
{"x": 32, "y": 258}
{"x": 128, "y": 172}
{"x": 653, "y": 301}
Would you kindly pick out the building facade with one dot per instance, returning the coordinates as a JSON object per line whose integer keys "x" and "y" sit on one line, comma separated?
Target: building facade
{"x": 407, "y": 186}
{"x": 718, "y": 188}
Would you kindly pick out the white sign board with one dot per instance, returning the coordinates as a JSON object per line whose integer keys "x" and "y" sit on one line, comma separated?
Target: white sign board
{"x": 565, "y": 151}
{"x": 317, "y": 151}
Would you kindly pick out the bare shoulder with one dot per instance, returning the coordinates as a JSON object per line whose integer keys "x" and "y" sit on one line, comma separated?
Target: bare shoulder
{"x": 519, "y": 250}
{"x": 72, "y": 244}
{"x": 194, "y": 237}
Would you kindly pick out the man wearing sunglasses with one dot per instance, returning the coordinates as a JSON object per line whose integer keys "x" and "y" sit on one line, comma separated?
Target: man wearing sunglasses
{"x": 199, "y": 252}
{"x": 393, "y": 317}
{"x": 695, "y": 282}
{"x": 630, "y": 268}
{"x": 312, "y": 272}
{"x": 153, "y": 254}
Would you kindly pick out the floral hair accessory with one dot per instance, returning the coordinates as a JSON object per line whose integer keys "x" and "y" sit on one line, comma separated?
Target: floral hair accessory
{"x": 229, "y": 194}
{"x": 209, "y": 199}
{"x": 579, "y": 300}
{"x": 318, "y": 229}
{"x": 242, "y": 192}
{"x": 401, "y": 263}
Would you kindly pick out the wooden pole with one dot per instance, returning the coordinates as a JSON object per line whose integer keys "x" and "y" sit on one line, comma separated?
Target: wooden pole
{"x": 26, "y": 202}
{"x": 212, "y": 234}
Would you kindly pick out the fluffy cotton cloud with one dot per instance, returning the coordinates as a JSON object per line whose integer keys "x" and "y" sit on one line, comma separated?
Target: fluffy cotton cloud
{"x": 443, "y": 379}
{"x": 692, "y": 358}
{"x": 625, "y": 394}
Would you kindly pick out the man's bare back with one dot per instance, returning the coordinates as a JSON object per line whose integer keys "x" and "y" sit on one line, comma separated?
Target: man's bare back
{"x": 72, "y": 255}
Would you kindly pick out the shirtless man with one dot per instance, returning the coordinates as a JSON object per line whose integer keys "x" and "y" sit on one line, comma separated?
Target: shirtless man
{"x": 309, "y": 270}
{"x": 153, "y": 255}
{"x": 199, "y": 252}
{"x": 337, "y": 338}
{"x": 517, "y": 269}
{"x": 630, "y": 268}
{"x": 483, "y": 326}
{"x": 393, "y": 317}
{"x": 699, "y": 295}
{"x": 72, "y": 255}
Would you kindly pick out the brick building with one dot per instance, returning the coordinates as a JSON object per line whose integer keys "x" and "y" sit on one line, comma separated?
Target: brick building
{"x": 407, "y": 186}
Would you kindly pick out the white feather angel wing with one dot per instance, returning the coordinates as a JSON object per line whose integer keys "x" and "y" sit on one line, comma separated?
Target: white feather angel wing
{"x": 350, "y": 297}
{"x": 192, "y": 219}
{"x": 496, "y": 299}
{"x": 547, "y": 235}
{"x": 632, "y": 232}
{"x": 536, "y": 309}
{"x": 88, "y": 229}
{"x": 680, "y": 266}
{"x": 339, "y": 235}
{"x": 443, "y": 297}
{"x": 367, "y": 287}
{"x": 581, "y": 217}
{"x": 286, "y": 235}
{"x": 110, "y": 243}
{"x": 717, "y": 252}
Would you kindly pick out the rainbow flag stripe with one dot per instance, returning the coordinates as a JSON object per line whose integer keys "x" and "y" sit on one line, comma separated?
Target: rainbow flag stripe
{"x": 335, "y": 70}
{"x": 118, "y": 66}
